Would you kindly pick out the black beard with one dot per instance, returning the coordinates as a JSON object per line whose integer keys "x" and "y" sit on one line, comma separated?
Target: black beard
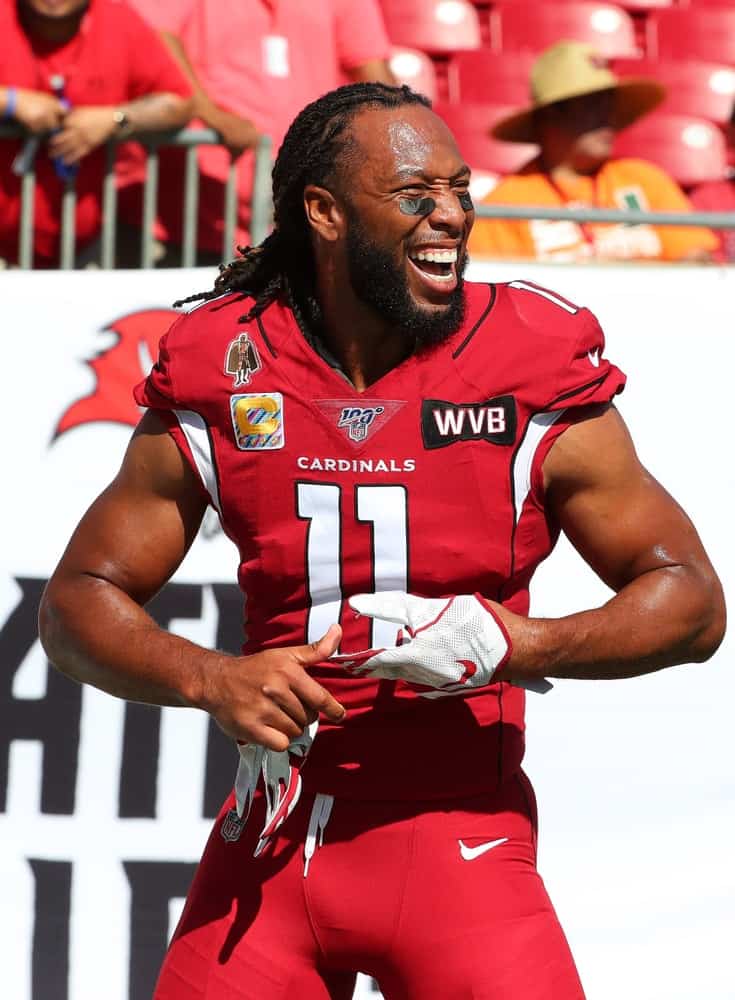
{"x": 64, "y": 20}
{"x": 380, "y": 284}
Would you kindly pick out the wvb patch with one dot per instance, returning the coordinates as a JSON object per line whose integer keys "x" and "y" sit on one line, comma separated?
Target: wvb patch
{"x": 358, "y": 420}
{"x": 257, "y": 420}
{"x": 444, "y": 423}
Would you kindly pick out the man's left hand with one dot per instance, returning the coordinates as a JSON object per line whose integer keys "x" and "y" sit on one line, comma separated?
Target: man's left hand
{"x": 450, "y": 643}
{"x": 83, "y": 130}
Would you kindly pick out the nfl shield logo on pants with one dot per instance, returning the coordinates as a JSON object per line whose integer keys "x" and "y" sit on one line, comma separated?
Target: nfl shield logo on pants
{"x": 232, "y": 827}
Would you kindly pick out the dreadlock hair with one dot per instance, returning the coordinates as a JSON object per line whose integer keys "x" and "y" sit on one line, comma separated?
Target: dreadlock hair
{"x": 283, "y": 264}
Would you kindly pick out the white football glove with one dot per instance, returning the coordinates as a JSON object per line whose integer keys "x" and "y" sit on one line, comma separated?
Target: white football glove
{"x": 449, "y": 644}
{"x": 281, "y": 779}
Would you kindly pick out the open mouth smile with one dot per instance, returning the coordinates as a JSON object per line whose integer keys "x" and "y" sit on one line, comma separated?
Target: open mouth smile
{"x": 436, "y": 267}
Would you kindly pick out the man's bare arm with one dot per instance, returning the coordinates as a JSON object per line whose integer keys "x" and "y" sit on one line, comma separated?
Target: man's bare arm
{"x": 85, "y": 128}
{"x": 35, "y": 110}
{"x": 157, "y": 112}
{"x": 94, "y": 628}
{"x": 373, "y": 71}
{"x": 238, "y": 134}
{"x": 668, "y": 607}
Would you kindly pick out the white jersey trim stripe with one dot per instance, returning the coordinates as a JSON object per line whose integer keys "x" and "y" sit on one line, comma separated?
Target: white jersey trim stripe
{"x": 187, "y": 308}
{"x": 195, "y": 432}
{"x": 557, "y": 300}
{"x": 538, "y": 425}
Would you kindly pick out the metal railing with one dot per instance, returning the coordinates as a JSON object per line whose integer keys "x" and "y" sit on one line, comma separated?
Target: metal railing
{"x": 188, "y": 138}
{"x": 261, "y": 206}
{"x": 628, "y": 217}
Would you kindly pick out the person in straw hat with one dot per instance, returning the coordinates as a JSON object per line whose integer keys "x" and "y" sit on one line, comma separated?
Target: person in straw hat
{"x": 577, "y": 106}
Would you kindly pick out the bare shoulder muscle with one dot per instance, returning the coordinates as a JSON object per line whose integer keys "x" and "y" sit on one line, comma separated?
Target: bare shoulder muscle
{"x": 620, "y": 519}
{"x": 598, "y": 446}
{"x": 139, "y": 529}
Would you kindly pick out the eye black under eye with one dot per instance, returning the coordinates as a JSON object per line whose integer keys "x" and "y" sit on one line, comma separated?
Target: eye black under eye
{"x": 425, "y": 205}
{"x": 416, "y": 206}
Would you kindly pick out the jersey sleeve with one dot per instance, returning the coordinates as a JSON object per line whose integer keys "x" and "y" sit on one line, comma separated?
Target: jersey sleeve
{"x": 584, "y": 376}
{"x": 557, "y": 366}
{"x": 556, "y": 347}
{"x": 158, "y": 391}
{"x": 188, "y": 427}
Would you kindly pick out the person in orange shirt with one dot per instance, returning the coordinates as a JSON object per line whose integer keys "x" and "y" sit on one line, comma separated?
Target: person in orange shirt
{"x": 578, "y": 104}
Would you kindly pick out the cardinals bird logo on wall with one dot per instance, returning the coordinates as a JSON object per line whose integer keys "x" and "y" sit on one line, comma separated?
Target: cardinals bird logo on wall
{"x": 242, "y": 360}
{"x": 117, "y": 368}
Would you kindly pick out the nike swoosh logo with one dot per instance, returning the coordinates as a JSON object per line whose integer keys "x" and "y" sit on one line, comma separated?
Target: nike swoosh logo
{"x": 470, "y": 669}
{"x": 470, "y": 853}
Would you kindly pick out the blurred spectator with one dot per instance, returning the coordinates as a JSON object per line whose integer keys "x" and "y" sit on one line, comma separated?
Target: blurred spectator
{"x": 578, "y": 104}
{"x": 261, "y": 61}
{"x": 169, "y": 17}
{"x": 76, "y": 73}
{"x": 719, "y": 196}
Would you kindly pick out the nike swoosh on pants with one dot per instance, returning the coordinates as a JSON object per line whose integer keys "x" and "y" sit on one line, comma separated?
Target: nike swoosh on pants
{"x": 470, "y": 853}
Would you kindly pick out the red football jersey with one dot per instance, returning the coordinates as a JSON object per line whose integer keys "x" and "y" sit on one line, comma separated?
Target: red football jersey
{"x": 430, "y": 482}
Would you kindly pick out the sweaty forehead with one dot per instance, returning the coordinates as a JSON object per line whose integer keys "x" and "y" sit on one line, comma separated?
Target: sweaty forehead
{"x": 408, "y": 140}
{"x": 409, "y": 144}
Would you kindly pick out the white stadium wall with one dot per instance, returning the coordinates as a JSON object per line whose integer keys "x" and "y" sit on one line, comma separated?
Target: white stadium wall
{"x": 104, "y": 808}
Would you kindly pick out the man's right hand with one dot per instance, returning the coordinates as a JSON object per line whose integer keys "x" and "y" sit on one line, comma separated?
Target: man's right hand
{"x": 38, "y": 112}
{"x": 268, "y": 698}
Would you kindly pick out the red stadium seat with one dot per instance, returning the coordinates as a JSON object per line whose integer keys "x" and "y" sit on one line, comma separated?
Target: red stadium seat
{"x": 642, "y": 6}
{"x": 515, "y": 27}
{"x": 706, "y": 33}
{"x": 705, "y": 90}
{"x": 415, "y": 69}
{"x": 436, "y": 26}
{"x": 637, "y": 11}
{"x": 482, "y": 76}
{"x": 471, "y": 124}
{"x": 691, "y": 150}
{"x": 634, "y": 5}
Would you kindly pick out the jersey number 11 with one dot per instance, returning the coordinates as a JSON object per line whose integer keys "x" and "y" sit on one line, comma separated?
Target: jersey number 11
{"x": 385, "y": 508}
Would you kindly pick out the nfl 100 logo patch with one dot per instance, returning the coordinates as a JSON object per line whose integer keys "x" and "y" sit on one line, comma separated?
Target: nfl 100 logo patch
{"x": 257, "y": 420}
{"x": 358, "y": 420}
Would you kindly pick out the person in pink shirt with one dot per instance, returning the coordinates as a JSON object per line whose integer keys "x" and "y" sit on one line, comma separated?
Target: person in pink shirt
{"x": 260, "y": 61}
{"x": 169, "y": 19}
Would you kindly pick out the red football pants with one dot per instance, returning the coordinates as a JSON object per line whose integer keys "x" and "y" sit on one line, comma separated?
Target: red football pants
{"x": 438, "y": 900}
